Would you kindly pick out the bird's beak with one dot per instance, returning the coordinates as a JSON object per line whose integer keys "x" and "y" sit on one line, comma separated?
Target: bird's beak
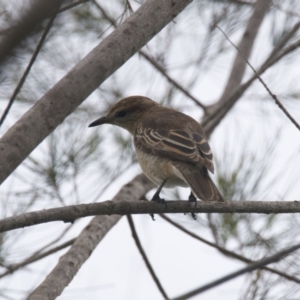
{"x": 102, "y": 120}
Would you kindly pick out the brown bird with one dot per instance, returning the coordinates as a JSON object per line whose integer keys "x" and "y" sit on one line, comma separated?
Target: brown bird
{"x": 171, "y": 147}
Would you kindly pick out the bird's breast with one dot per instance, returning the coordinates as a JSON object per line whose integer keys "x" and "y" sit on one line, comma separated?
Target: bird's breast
{"x": 158, "y": 169}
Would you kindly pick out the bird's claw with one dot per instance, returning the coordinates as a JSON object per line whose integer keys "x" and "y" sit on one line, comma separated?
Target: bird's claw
{"x": 158, "y": 200}
{"x": 192, "y": 198}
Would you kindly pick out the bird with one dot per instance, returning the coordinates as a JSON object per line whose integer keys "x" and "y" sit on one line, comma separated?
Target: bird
{"x": 171, "y": 147}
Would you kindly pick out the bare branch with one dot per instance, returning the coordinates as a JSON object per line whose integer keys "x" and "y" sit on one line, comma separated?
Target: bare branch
{"x": 69, "y": 6}
{"x": 89, "y": 238}
{"x": 122, "y": 207}
{"x": 57, "y": 239}
{"x": 36, "y": 257}
{"x": 69, "y": 92}
{"x": 282, "y": 43}
{"x": 171, "y": 80}
{"x": 145, "y": 258}
{"x": 254, "y": 266}
{"x": 289, "y": 12}
{"x": 228, "y": 252}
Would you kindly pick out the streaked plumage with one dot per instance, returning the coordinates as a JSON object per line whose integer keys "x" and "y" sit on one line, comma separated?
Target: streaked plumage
{"x": 171, "y": 147}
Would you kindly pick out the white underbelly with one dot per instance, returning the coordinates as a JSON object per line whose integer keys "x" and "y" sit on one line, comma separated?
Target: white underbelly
{"x": 158, "y": 170}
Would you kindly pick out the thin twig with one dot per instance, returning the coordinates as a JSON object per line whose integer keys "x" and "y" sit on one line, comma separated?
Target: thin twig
{"x": 287, "y": 36}
{"x": 289, "y": 12}
{"x": 252, "y": 267}
{"x": 287, "y": 50}
{"x": 69, "y": 6}
{"x": 26, "y": 72}
{"x": 171, "y": 80}
{"x": 145, "y": 258}
{"x": 227, "y": 252}
{"x": 220, "y": 110}
{"x": 62, "y": 234}
{"x": 262, "y": 82}
{"x": 155, "y": 64}
{"x": 34, "y": 258}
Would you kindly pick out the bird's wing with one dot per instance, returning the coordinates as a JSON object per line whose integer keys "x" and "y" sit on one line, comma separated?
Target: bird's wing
{"x": 181, "y": 145}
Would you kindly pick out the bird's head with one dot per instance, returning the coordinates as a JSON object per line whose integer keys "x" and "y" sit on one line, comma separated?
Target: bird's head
{"x": 127, "y": 112}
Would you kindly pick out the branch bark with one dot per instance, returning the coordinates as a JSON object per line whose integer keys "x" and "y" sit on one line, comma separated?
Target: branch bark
{"x": 90, "y": 237}
{"x": 83, "y": 79}
{"x": 126, "y": 206}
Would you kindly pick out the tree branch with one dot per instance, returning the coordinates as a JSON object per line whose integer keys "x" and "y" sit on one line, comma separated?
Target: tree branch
{"x": 145, "y": 258}
{"x": 239, "y": 66}
{"x": 254, "y": 266}
{"x": 211, "y": 121}
{"x": 34, "y": 258}
{"x": 74, "y": 4}
{"x": 245, "y": 46}
{"x": 70, "y": 92}
{"x": 126, "y": 207}
{"x": 228, "y": 252}
{"x": 280, "y": 105}
{"x": 89, "y": 238}
{"x": 155, "y": 64}
{"x": 171, "y": 80}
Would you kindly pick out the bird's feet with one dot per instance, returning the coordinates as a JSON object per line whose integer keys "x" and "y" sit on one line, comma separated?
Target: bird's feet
{"x": 157, "y": 199}
{"x": 192, "y": 198}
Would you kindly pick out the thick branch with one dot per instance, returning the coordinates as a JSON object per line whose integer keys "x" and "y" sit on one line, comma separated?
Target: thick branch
{"x": 83, "y": 79}
{"x": 90, "y": 237}
{"x": 122, "y": 207}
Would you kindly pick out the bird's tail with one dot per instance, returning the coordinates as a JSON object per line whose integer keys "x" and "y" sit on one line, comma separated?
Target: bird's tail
{"x": 200, "y": 183}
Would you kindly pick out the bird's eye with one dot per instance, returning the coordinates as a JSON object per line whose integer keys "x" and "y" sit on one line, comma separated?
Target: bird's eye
{"x": 121, "y": 114}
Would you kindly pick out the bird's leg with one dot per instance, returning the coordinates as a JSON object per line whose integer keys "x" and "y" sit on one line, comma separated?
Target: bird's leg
{"x": 156, "y": 195}
{"x": 157, "y": 199}
{"x": 192, "y": 198}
